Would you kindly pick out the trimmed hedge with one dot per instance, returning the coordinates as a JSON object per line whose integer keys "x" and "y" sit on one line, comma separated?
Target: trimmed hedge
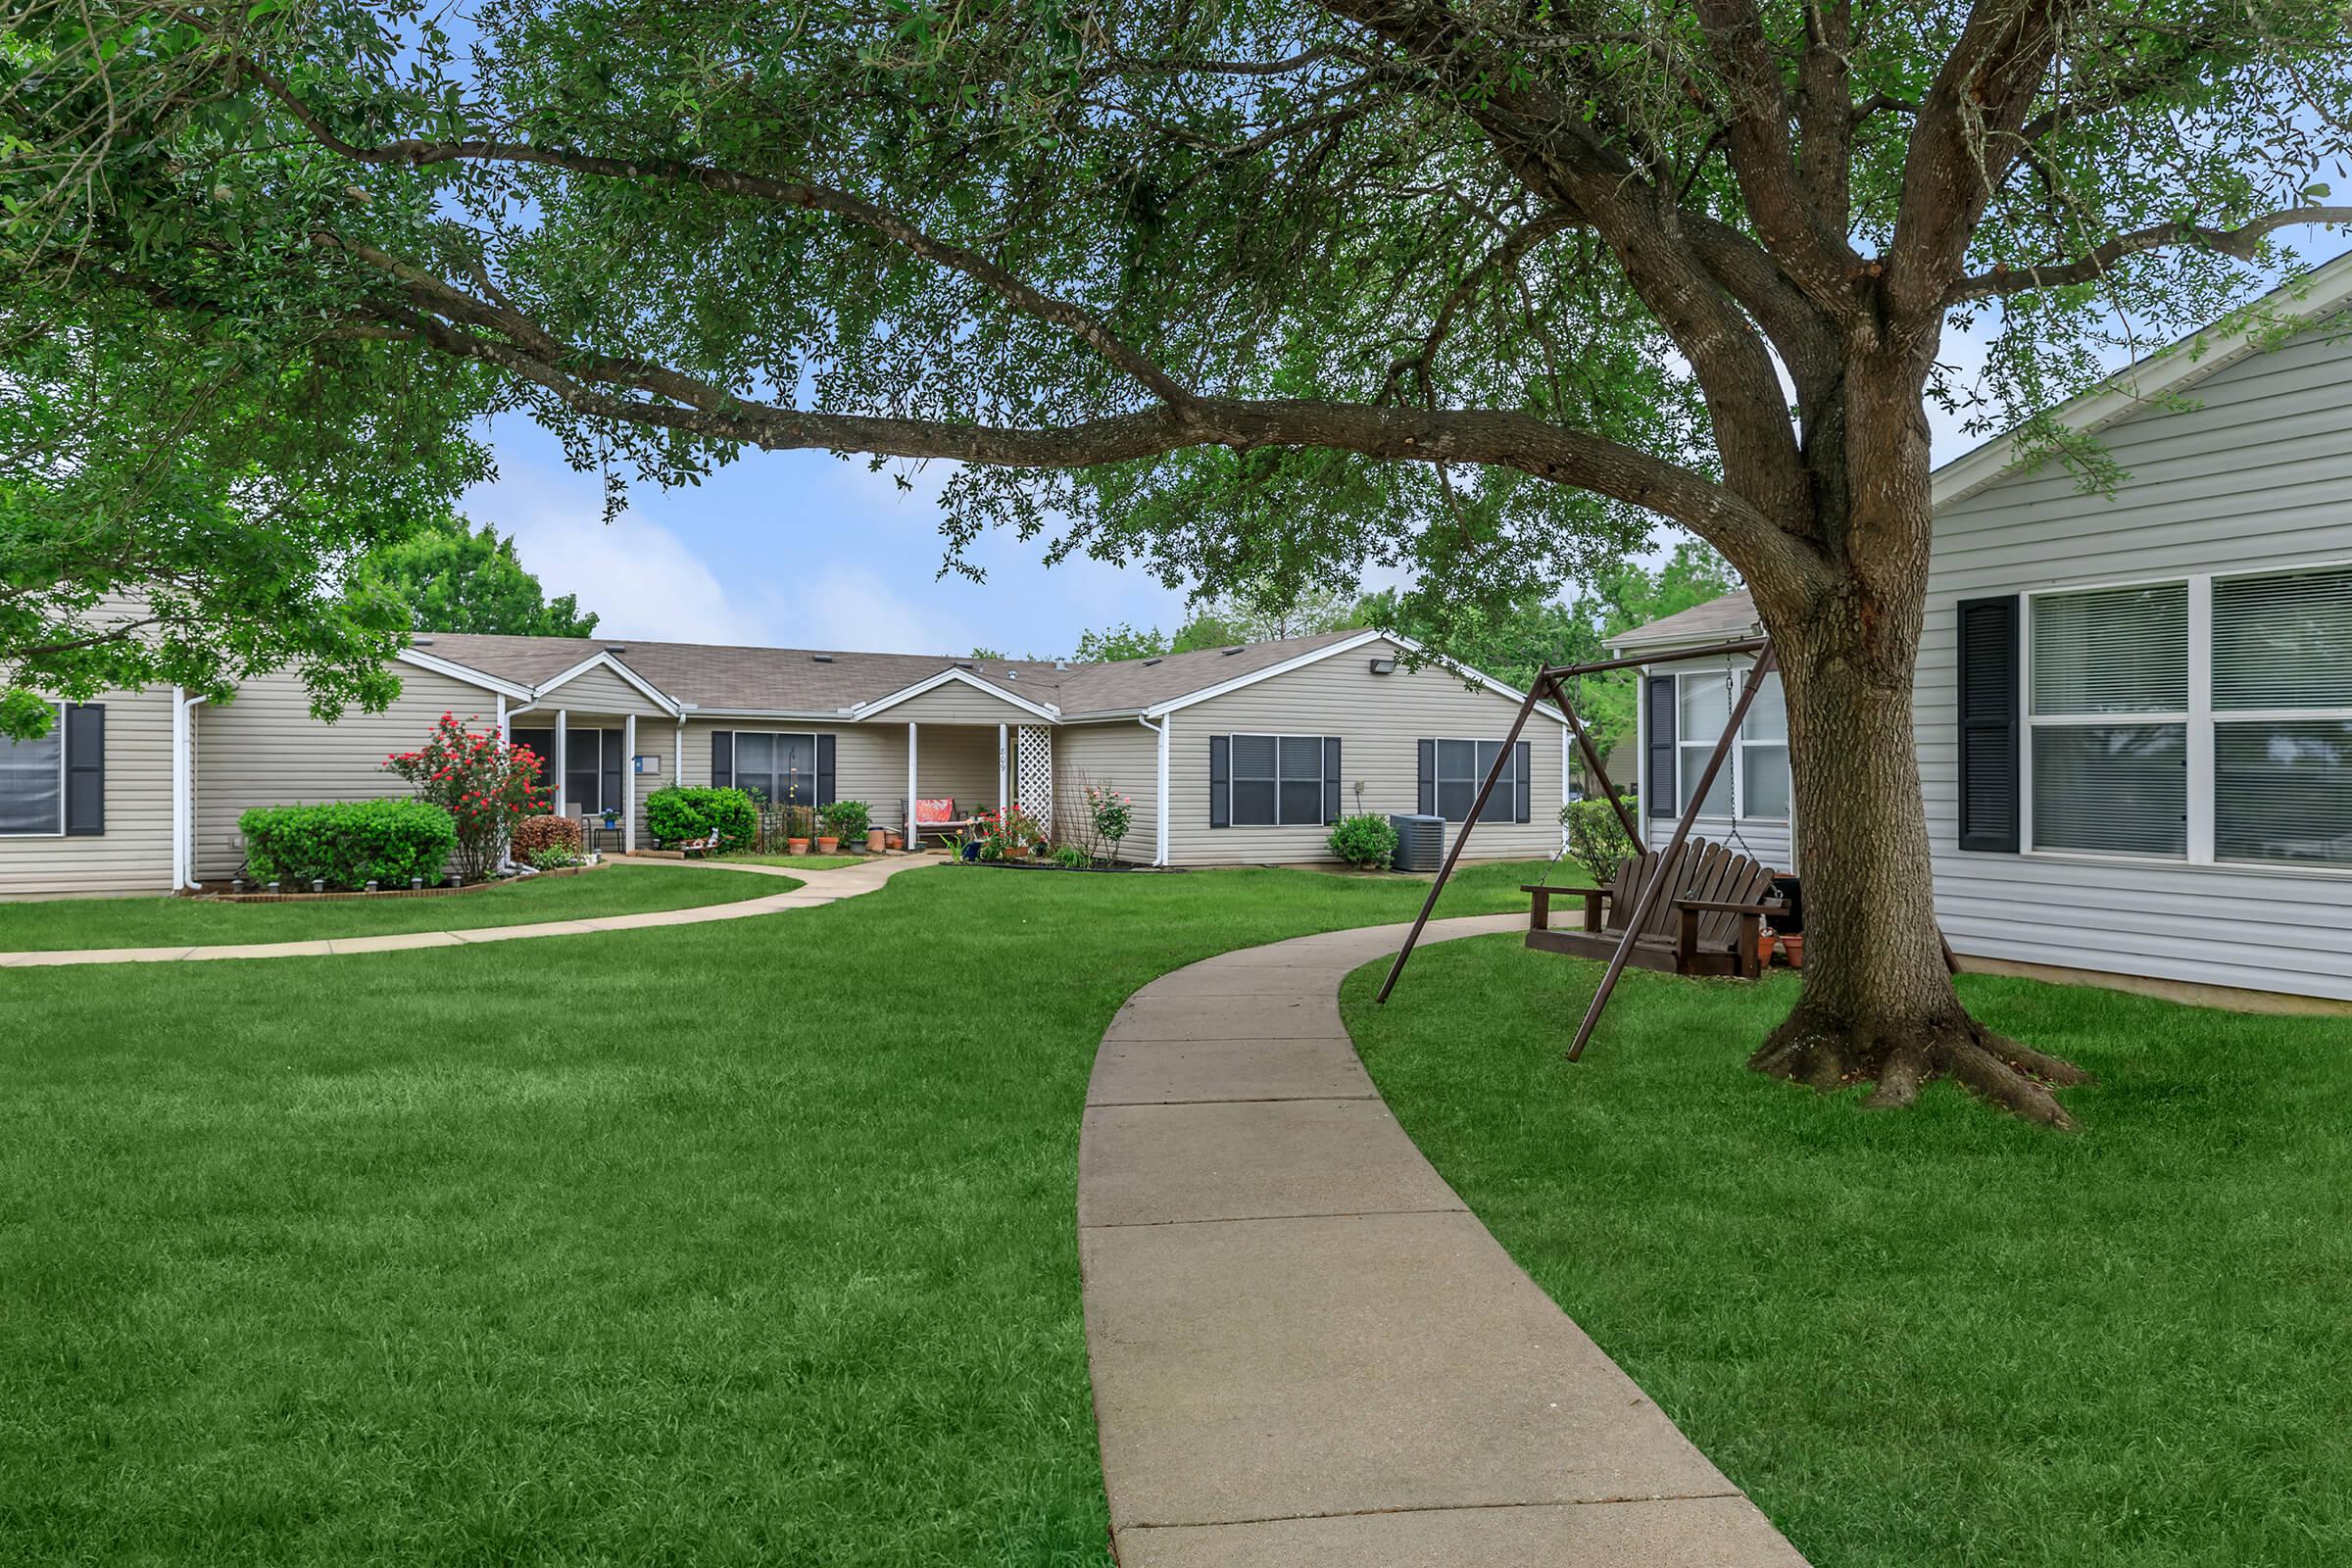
{"x": 678, "y": 813}
{"x": 534, "y": 833}
{"x": 348, "y": 844}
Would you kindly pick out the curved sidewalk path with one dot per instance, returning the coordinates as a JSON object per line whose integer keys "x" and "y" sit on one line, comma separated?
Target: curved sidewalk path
{"x": 1306, "y": 1350}
{"x": 817, "y": 888}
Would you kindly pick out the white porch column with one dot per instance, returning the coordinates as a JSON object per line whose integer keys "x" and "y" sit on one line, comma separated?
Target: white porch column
{"x": 1003, "y": 765}
{"x": 563, "y": 796}
{"x": 911, "y": 838}
{"x": 503, "y": 737}
{"x": 180, "y": 857}
{"x": 628, "y": 785}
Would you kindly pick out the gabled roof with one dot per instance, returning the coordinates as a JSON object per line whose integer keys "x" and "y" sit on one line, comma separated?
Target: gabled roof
{"x": 2169, "y": 370}
{"x": 2311, "y": 298}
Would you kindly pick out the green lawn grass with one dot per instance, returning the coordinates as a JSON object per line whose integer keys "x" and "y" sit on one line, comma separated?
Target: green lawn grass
{"x": 750, "y": 1241}
{"x": 1939, "y": 1336}
{"x": 790, "y": 862}
{"x": 49, "y": 926}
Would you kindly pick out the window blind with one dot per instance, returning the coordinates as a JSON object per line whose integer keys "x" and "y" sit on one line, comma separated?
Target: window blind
{"x": 2111, "y": 789}
{"x": 2111, "y": 651}
{"x": 2282, "y": 790}
{"x": 2283, "y": 640}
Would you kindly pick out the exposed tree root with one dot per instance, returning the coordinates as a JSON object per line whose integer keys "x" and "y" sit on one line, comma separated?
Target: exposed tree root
{"x": 1899, "y": 1064}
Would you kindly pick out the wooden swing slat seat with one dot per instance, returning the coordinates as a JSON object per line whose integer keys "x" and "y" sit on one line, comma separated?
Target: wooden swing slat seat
{"x": 1709, "y": 918}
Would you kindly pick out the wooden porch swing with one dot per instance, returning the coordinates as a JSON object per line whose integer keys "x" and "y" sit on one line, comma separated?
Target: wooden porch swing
{"x": 1710, "y": 920}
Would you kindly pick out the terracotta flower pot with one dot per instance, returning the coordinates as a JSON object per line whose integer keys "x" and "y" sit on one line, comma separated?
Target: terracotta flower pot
{"x": 894, "y": 841}
{"x": 796, "y": 845}
{"x": 1764, "y": 941}
{"x": 876, "y": 841}
{"x": 1016, "y": 852}
{"x": 1794, "y": 948}
{"x": 826, "y": 845}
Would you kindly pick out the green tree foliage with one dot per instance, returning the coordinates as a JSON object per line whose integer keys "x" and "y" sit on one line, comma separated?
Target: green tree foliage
{"x": 1277, "y": 290}
{"x": 1122, "y": 641}
{"x": 452, "y": 578}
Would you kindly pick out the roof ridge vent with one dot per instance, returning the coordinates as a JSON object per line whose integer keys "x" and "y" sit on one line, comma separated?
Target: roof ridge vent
{"x": 420, "y": 642}
{"x": 616, "y": 647}
{"x": 965, "y": 663}
{"x": 820, "y": 659}
{"x": 1235, "y": 649}
{"x": 1148, "y": 662}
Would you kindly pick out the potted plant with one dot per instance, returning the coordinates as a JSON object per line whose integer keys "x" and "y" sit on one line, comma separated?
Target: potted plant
{"x": 796, "y": 829}
{"x": 845, "y": 823}
{"x": 876, "y": 841}
{"x": 612, "y": 817}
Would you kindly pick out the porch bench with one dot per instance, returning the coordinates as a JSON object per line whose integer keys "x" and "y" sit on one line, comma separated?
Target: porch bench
{"x": 939, "y": 818}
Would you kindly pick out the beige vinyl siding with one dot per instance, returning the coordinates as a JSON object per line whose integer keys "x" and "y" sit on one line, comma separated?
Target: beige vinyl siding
{"x": 1380, "y": 720}
{"x": 2256, "y": 475}
{"x": 869, "y": 760}
{"x": 265, "y": 749}
{"x": 1122, "y": 755}
{"x": 134, "y": 852}
{"x": 954, "y": 702}
{"x": 598, "y": 690}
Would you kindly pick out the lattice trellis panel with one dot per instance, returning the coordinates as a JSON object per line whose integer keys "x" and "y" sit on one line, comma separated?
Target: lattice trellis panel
{"x": 1033, "y": 771}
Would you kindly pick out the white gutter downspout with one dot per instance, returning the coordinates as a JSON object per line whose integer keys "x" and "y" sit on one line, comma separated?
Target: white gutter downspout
{"x": 1159, "y": 852}
{"x": 180, "y": 787}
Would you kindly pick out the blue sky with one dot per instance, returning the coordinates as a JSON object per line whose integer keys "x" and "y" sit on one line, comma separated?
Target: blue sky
{"x": 805, "y": 550}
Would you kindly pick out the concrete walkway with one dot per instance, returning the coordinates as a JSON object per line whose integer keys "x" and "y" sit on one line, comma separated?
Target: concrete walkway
{"x": 818, "y": 888}
{"x": 1306, "y": 1350}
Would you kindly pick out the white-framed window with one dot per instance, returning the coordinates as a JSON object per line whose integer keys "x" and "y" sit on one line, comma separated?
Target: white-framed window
{"x": 33, "y": 784}
{"x": 1461, "y": 767}
{"x": 778, "y": 766}
{"x": 1277, "y": 780}
{"x": 1757, "y": 769}
{"x": 2204, "y": 719}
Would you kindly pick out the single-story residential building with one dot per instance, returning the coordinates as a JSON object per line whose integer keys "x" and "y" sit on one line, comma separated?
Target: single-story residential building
{"x": 2133, "y": 706}
{"x": 1241, "y": 755}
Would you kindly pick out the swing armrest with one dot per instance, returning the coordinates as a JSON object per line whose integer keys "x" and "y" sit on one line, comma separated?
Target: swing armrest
{"x": 1538, "y": 914}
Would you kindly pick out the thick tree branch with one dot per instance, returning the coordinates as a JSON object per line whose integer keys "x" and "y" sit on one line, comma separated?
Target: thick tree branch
{"x": 2244, "y": 242}
{"x": 1065, "y": 315}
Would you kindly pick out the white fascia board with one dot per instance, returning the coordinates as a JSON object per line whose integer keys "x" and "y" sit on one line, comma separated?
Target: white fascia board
{"x": 1345, "y": 645}
{"x": 798, "y": 715}
{"x": 1045, "y": 710}
{"x": 2167, "y": 371}
{"x": 457, "y": 671}
{"x": 605, "y": 660}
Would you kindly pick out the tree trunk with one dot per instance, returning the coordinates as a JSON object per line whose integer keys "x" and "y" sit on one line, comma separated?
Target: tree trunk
{"x": 1877, "y": 1005}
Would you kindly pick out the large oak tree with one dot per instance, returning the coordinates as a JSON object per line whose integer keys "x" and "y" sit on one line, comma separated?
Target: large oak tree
{"x": 1258, "y": 289}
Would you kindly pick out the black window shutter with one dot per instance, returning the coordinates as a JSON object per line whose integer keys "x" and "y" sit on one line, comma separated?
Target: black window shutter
{"x": 1988, "y": 724}
{"x": 1426, "y": 801}
{"x": 1659, "y": 785}
{"x": 85, "y": 769}
{"x": 1221, "y": 781}
{"x": 824, "y": 772}
{"x": 1524, "y": 766}
{"x": 1331, "y": 778}
{"x": 722, "y": 760}
{"x": 610, "y": 739}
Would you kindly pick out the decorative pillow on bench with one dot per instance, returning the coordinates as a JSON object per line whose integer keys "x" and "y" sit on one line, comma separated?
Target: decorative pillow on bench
{"x": 934, "y": 811}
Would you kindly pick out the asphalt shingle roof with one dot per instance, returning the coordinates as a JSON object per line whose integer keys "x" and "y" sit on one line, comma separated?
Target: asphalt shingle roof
{"x": 1732, "y": 615}
{"x": 805, "y": 680}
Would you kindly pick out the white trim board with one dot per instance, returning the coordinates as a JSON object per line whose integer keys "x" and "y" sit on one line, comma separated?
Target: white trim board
{"x": 462, "y": 673}
{"x": 2169, "y": 369}
{"x": 1347, "y": 645}
{"x": 604, "y": 658}
{"x": 865, "y": 710}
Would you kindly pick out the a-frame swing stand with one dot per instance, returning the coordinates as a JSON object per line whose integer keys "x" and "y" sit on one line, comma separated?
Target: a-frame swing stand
{"x": 1653, "y": 874}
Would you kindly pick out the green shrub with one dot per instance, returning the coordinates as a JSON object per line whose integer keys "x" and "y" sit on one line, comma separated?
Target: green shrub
{"x": 848, "y": 819}
{"x": 1367, "y": 841}
{"x": 348, "y": 844}
{"x": 678, "y": 813}
{"x": 1072, "y": 857}
{"x": 554, "y": 858}
{"x": 1597, "y": 839}
{"x": 535, "y": 833}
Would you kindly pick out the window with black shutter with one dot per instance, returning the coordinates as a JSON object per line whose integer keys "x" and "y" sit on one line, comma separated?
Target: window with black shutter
{"x": 1658, "y": 781}
{"x": 1988, "y": 724}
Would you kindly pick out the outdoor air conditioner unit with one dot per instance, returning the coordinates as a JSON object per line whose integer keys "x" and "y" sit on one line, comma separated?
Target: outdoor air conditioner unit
{"x": 1420, "y": 842}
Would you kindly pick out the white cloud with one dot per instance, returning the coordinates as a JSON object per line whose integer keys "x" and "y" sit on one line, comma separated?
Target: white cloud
{"x": 852, "y": 607}
{"x": 637, "y": 576}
